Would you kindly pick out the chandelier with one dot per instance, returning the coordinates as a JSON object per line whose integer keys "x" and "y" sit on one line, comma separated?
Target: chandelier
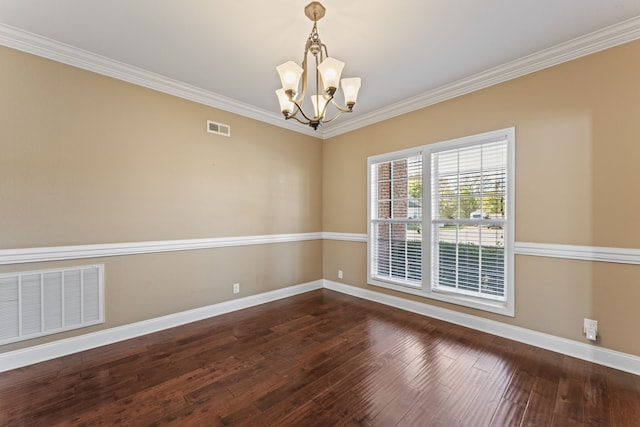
{"x": 327, "y": 75}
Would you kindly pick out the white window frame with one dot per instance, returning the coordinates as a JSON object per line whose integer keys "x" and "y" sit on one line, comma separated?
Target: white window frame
{"x": 504, "y": 306}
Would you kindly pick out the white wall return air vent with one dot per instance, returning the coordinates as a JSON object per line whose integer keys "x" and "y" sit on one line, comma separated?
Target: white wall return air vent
{"x": 218, "y": 128}
{"x": 38, "y": 303}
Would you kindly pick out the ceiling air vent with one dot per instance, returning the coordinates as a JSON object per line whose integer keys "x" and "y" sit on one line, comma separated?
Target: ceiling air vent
{"x": 218, "y": 128}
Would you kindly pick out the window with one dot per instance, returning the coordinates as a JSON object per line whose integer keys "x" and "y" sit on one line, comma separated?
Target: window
{"x": 441, "y": 221}
{"x": 396, "y": 220}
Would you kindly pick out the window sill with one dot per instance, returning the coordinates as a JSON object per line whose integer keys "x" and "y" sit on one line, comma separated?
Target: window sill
{"x": 504, "y": 308}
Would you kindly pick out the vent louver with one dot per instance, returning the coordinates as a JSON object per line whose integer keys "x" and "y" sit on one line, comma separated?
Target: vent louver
{"x": 218, "y": 128}
{"x": 38, "y": 303}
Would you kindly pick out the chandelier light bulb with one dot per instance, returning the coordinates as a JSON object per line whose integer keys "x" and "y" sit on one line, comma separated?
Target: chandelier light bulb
{"x": 351, "y": 87}
{"x": 330, "y": 70}
{"x": 331, "y": 74}
{"x": 289, "y": 78}
{"x": 319, "y": 103}
{"x": 286, "y": 105}
{"x": 290, "y": 74}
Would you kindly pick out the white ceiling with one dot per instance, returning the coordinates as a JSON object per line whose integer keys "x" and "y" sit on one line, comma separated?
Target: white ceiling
{"x": 230, "y": 49}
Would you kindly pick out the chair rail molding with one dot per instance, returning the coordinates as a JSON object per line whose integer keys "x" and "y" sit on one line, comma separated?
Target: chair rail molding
{"x": 59, "y": 253}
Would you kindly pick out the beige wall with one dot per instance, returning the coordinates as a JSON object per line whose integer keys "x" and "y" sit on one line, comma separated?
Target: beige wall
{"x": 86, "y": 159}
{"x": 577, "y": 153}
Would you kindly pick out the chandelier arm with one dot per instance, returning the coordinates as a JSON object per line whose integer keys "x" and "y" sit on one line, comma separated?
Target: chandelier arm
{"x": 335, "y": 116}
{"x": 313, "y": 123}
{"x": 299, "y": 108}
{"x": 318, "y": 59}
{"x": 342, "y": 109}
{"x": 295, "y": 111}
{"x": 339, "y": 112}
{"x": 304, "y": 78}
{"x": 324, "y": 109}
{"x": 326, "y": 52}
{"x": 298, "y": 120}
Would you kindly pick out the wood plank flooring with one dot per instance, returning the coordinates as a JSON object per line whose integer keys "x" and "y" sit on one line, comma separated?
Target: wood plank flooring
{"x": 319, "y": 359}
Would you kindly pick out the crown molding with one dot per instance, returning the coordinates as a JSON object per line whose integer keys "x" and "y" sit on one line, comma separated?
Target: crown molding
{"x": 596, "y": 41}
{"x": 25, "y": 41}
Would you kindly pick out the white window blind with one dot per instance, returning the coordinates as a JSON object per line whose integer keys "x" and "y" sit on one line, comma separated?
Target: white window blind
{"x": 396, "y": 220}
{"x": 468, "y": 199}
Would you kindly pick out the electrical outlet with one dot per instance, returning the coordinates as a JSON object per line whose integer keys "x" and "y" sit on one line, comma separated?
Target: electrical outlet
{"x": 236, "y": 288}
{"x": 591, "y": 329}
{"x": 590, "y": 324}
{"x": 340, "y": 275}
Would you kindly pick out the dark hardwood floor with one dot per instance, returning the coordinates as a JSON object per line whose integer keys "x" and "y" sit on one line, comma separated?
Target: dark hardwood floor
{"x": 321, "y": 358}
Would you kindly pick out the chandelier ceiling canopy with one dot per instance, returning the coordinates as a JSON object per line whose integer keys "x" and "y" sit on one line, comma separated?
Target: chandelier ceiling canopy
{"x": 325, "y": 74}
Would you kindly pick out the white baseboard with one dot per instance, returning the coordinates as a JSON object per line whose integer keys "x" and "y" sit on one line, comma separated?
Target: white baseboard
{"x": 602, "y": 356}
{"x": 40, "y": 353}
